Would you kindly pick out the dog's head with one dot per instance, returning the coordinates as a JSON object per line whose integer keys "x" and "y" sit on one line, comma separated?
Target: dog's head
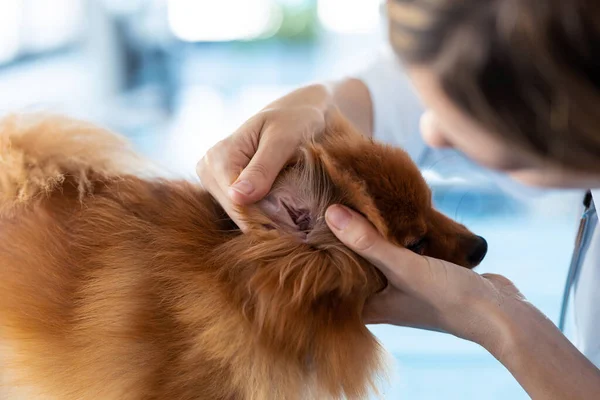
{"x": 379, "y": 181}
{"x": 304, "y": 290}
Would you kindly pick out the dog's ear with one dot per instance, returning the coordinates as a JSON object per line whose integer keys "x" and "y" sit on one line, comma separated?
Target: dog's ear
{"x": 378, "y": 179}
{"x": 355, "y": 192}
{"x": 318, "y": 178}
{"x": 342, "y": 141}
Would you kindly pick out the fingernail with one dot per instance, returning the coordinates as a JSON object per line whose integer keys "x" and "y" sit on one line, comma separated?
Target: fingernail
{"x": 338, "y": 217}
{"x": 244, "y": 187}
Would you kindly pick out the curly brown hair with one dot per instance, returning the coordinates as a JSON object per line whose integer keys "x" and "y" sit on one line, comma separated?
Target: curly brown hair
{"x": 529, "y": 71}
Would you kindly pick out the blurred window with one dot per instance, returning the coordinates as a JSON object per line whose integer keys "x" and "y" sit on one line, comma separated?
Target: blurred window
{"x": 31, "y": 28}
{"x": 349, "y": 17}
{"x": 242, "y": 20}
{"x": 225, "y": 20}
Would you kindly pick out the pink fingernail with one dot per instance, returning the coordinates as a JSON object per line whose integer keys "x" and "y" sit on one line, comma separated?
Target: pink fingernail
{"x": 338, "y": 217}
{"x": 244, "y": 187}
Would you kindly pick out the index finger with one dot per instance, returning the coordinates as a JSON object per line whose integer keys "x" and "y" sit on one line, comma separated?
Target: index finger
{"x": 257, "y": 177}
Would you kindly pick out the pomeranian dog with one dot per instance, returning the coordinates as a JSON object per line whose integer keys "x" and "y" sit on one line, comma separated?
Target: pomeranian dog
{"x": 115, "y": 286}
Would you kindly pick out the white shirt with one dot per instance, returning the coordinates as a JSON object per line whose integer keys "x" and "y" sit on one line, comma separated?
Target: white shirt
{"x": 586, "y": 296}
{"x": 397, "y": 109}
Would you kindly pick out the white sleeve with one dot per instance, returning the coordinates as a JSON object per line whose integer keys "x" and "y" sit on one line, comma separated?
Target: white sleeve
{"x": 396, "y": 107}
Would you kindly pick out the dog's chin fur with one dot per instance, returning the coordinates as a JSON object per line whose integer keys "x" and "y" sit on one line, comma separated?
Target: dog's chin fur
{"x": 118, "y": 287}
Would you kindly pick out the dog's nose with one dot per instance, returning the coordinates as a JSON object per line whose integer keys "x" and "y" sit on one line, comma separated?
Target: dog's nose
{"x": 479, "y": 251}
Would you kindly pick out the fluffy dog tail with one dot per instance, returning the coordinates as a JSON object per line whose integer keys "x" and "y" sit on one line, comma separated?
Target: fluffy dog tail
{"x": 39, "y": 152}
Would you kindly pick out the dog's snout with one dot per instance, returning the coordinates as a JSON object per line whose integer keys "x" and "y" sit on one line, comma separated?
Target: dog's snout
{"x": 478, "y": 251}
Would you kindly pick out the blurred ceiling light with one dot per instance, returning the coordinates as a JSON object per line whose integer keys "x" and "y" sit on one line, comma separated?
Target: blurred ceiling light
{"x": 10, "y": 23}
{"x": 49, "y": 24}
{"x": 349, "y": 16}
{"x": 294, "y": 3}
{"x": 123, "y": 7}
{"x": 222, "y": 20}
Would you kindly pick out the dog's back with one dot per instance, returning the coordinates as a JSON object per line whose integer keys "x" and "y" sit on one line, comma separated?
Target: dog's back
{"x": 90, "y": 260}
{"x": 117, "y": 287}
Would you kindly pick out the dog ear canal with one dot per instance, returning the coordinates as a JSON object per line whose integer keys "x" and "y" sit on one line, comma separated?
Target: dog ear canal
{"x": 285, "y": 212}
{"x": 299, "y": 216}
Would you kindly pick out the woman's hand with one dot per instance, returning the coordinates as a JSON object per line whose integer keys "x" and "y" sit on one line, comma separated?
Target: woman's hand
{"x": 242, "y": 168}
{"x": 428, "y": 293}
{"x": 424, "y": 292}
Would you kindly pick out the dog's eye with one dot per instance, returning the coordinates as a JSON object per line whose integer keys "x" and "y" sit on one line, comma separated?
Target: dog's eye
{"x": 417, "y": 246}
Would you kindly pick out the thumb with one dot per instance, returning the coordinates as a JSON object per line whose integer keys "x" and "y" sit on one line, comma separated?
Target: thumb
{"x": 396, "y": 263}
{"x": 255, "y": 181}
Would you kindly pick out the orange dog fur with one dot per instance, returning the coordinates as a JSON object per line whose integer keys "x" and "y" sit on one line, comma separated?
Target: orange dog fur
{"x": 115, "y": 286}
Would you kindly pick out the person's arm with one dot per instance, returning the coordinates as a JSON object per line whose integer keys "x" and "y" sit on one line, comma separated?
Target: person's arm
{"x": 541, "y": 358}
{"x": 487, "y": 309}
{"x": 353, "y": 99}
{"x": 351, "y": 96}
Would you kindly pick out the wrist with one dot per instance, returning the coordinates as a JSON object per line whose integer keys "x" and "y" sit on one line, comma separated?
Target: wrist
{"x": 513, "y": 323}
{"x": 352, "y": 97}
{"x": 316, "y": 96}
{"x": 544, "y": 362}
{"x": 320, "y": 96}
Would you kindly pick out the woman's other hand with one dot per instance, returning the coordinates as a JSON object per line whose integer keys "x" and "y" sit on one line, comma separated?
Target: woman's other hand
{"x": 425, "y": 292}
{"x": 242, "y": 168}
{"x": 428, "y": 293}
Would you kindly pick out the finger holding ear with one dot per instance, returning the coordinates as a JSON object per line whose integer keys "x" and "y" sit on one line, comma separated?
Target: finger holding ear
{"x": 272, "y": 139}
{"x": 400, "y": 266}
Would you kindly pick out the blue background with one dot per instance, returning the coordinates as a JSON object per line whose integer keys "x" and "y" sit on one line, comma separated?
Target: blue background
{"x": 133, "y": 66}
